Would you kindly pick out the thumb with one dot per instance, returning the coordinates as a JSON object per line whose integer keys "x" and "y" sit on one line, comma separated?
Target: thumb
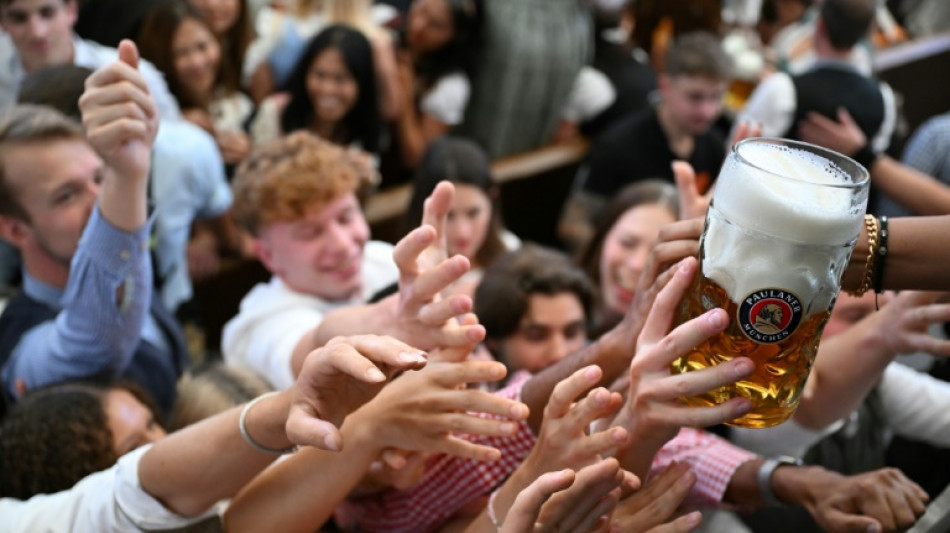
{"x": 845, "y": 118}
{"x": 685, "y": 177}
{"x": 128, "y": 53}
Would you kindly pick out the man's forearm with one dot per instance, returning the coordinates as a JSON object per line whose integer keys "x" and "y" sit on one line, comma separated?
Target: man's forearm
{"x": 920, "y": 193}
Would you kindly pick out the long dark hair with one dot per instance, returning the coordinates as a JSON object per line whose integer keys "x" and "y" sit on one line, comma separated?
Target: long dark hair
{"x": 646, "y": 192}
{"x": 459, "y": 54}
{"x": 459, "y": 161}
{"x": 155, "y": 44}
{"x": 363, "y": 122}
{"x": 234, "y": 46}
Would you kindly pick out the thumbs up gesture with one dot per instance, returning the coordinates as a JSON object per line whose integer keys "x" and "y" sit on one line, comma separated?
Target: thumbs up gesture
{"x": 119, "y": 115}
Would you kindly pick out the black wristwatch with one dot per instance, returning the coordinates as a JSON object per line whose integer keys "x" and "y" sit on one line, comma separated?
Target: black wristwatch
{"x": 764, "y": 476}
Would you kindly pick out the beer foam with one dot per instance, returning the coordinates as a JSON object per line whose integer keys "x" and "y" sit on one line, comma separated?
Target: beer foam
{"x": 797, "y": 230}
{"x": 792, "y": 200}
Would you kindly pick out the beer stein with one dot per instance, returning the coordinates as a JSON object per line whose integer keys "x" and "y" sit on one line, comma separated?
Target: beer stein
{"x": 778, "y": 234}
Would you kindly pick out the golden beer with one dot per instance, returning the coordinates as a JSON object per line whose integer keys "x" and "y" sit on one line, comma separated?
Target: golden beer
{"x": 778, "y": 234}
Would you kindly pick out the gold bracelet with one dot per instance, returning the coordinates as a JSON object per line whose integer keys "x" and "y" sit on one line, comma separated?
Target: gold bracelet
{"x": 871, "y": 223}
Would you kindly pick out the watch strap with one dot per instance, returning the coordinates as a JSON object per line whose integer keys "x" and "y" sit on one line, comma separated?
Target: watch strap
{"x": 764, "y": 476}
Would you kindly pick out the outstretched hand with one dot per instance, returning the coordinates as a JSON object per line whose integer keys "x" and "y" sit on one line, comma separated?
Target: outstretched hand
{"x": 420, "y": 315}
{"x": 653, "y": 413}
{"x": 337, "y": 379}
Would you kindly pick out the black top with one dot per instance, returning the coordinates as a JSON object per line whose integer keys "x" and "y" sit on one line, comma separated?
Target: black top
{"x": 825, "y": 89}
{"x": 636, "y": 148}
{"x": 633, "y": 80}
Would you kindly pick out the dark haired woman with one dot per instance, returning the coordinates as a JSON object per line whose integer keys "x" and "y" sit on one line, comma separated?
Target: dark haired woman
{"x": 332, "y": 93}
{"x": 439, "y": 44}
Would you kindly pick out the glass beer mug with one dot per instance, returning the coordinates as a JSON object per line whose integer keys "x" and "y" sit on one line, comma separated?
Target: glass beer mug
{"x": 779, "y": 232}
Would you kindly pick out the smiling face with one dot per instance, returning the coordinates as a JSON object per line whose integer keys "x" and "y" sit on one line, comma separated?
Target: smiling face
{"x": 41, "y": 31}
{"x": 56, "y": 183}
{"x": 625, "y": 252}
{"x": 332, "y": 89}
{"x": 196, "y": 55}
{"x": 553, "y": 327}
{"x": 468, "y": 221}
{"x": 321, "y": 253}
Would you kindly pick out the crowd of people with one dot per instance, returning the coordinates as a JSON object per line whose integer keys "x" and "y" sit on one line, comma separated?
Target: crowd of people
{"x": 461, "y": 378}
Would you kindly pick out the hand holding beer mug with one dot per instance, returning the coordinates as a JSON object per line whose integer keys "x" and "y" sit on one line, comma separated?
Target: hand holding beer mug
{"x": 784, "y": 218}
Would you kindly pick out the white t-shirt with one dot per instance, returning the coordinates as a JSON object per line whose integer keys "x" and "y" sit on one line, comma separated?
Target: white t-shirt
{"x": 591, "y": 94}
{"x": 111, "y": 500}
{"x": 447, "y": 99}
{"x": 273, "y": 317}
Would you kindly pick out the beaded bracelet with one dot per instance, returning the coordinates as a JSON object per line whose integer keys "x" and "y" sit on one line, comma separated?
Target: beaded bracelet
{"x": 242, "y": 424}
{"x": 879, "y": 260}
{"x": 870, "y": 221}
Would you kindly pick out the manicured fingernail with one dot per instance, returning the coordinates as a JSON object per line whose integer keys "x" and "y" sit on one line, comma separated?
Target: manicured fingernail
{"x": 508, "y": 428}
{"x": 330, "y": 443}
{"x": 373, "y": 374}
{"x": 716, "y": 319}
{"x": 407, "y": 357}
{"x": 601, "y": 397}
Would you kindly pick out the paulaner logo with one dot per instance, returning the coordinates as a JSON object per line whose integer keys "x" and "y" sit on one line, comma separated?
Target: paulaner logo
{"x": 770, "y": 315}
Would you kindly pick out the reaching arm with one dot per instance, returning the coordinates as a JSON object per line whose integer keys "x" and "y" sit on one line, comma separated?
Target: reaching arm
{"x": 911, "y": 188}
{"x": 109, "y": 285}
{"x": 866, "y": 349}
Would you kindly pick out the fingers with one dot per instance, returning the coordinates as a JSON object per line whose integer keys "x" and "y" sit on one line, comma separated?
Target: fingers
{"x": 683, "y": 524}
{"x": 437, "y": 206}
{"x": 452, "y": 445}
{"x": 434, "y": 280}
{"x": 355, "y": 356}
{"x": 595, "y": 493}
{"x": 524, "y": 512}
{"x": 409, "y": 248}
{"x": 842, "y": 522}
{"x": 692, "y": 203}
{"x": 661, "y": 315}
{"x": 699, "y": 381}
{"x": 567, "y": 391}
{"x": 477, "y": 401}
{"x": 845, "y": 118}
{"x": 658, "y": 500}
{"x": 129, "y": 53}
{"x": 745, "y": 130}
{"x": 439, "y": 312}
{"x": 304, "y": 428}
{"x": 453, "y": 375}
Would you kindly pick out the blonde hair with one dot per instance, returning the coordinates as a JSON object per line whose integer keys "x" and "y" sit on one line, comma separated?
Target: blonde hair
{"x": 288, "y": 178}
{"x": 214, "y": 390}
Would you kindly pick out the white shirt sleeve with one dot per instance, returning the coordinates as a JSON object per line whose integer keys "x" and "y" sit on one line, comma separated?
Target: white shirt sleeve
{"x": 771, "y": 105}
{"x": 916, "y": 405}
{"x": 447, "y": 100}
{"x": 591, "y": 94}
{"x": 785, "y": 439}
{"x": 110, "y": 500}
